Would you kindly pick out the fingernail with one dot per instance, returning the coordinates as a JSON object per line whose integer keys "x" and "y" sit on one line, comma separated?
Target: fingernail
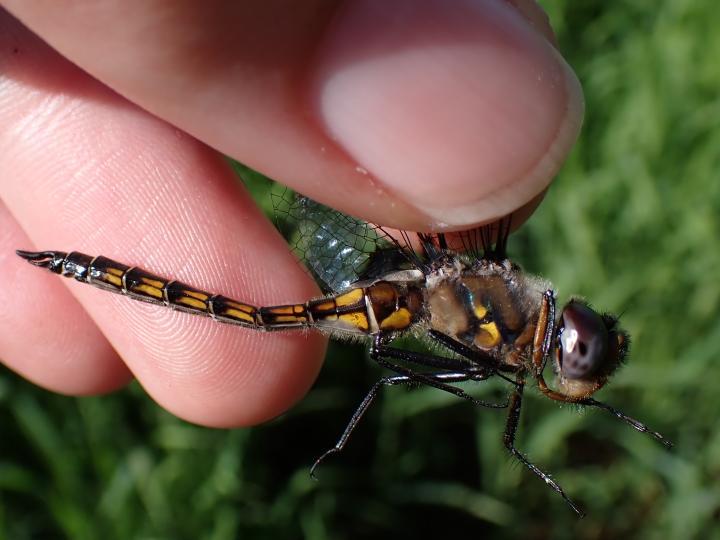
{"x": 462, "y": 109}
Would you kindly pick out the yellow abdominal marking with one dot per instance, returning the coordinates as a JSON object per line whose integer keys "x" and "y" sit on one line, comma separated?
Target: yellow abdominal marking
{"x": 192, "y": 302}
{"x": 349, "y": 298}
{"x": 153, "y": 282}
{"x": 397, "y": 320}
{"x": 288, "y": 319}
{"x": 357, "y": 320}
{"x": 325, "y": 306}
{"x": 291, "y": 311}
{"x": 113, "y": 278}
{"x": 150, "y": 290}
{"x": 241, "y": 307}
{"x": 196, "y": 294}
{"x": 236, "y": 313}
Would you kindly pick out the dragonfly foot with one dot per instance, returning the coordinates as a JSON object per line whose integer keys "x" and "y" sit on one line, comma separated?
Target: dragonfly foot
{"x": 318, "y": 461}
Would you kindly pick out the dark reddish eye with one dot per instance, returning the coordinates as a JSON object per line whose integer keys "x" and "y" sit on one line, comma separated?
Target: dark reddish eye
{"x": 583, "y": 341}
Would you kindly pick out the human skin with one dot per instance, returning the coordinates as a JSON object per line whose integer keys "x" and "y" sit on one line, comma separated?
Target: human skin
{"x": 416, "y": 114}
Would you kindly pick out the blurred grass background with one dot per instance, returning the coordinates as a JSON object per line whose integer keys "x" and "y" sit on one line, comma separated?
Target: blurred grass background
{"x": 632, "y": 223}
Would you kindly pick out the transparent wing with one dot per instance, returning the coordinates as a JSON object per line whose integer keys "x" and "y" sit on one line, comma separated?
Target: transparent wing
{"x": 337, "y": 249}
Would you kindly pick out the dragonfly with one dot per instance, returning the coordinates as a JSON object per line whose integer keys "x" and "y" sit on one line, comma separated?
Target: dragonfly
{"x": 460, "y": 291}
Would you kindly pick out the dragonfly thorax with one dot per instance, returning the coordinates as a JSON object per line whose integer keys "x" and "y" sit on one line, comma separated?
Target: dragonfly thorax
{"x": 488, "y": 305}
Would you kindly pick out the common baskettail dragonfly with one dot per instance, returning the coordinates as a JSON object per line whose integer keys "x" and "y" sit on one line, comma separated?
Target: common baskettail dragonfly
{"x": 457, "y": 290}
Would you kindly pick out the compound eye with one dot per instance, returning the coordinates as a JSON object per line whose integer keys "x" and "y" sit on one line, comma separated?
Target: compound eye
{"x": 584, "y": 341}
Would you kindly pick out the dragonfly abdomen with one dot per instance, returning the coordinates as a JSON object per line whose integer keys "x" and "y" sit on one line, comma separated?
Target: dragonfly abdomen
{"x": 379, "y": 307}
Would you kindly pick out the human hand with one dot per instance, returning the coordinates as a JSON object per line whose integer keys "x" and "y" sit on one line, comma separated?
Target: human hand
{"x": 420, "y": 114}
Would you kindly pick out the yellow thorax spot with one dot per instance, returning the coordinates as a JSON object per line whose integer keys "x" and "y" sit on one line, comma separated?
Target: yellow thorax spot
{"x": 488, "y": 336}
{"x": 480, "y": 311}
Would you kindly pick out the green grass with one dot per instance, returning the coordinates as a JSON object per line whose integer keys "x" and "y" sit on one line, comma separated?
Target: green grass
{"x": 632, "y": 222}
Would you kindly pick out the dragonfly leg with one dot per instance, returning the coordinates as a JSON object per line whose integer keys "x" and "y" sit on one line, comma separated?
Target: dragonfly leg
{"x": 380, "y": 353}
{"x": 509, "y": 441}
{"x": 590, "y": 402}
{"x": 480, "y": 359}
{"x": 635, "y": 424}
{"x": 463, "y": 350}
{"x": 392, "y": 380}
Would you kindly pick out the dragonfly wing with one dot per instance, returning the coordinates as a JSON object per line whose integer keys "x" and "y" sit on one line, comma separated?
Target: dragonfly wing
{"x": 336, "y": 248}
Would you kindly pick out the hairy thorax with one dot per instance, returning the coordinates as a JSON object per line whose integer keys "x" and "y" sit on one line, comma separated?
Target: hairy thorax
{"x": 488, "y": 305}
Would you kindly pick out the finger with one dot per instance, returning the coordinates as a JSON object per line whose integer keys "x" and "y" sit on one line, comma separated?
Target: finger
{"x": 83, "y": 169}
{"x": 45, "y": 335}
{"x": 417, "y": 114}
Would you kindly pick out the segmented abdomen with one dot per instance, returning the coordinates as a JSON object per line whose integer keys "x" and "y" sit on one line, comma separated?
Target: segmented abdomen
{"x": 136, "y": 283}
{"x": 366, "y": 310}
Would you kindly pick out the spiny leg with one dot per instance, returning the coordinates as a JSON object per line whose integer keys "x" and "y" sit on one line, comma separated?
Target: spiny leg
{"x": 635, "y": 424}
{"x": 461, "y": 372}
{"x": 368, "y": 400}
{"x": 483, "y": 371}
{"x": 590, "y": 402}
{"x": 509, "y": 441}
{"x": 483, "y": 361}
{"x": 379, "y": 352}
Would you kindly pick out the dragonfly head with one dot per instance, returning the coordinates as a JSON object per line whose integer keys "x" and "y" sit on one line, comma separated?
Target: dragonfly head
{"x": 589, "y": 348}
